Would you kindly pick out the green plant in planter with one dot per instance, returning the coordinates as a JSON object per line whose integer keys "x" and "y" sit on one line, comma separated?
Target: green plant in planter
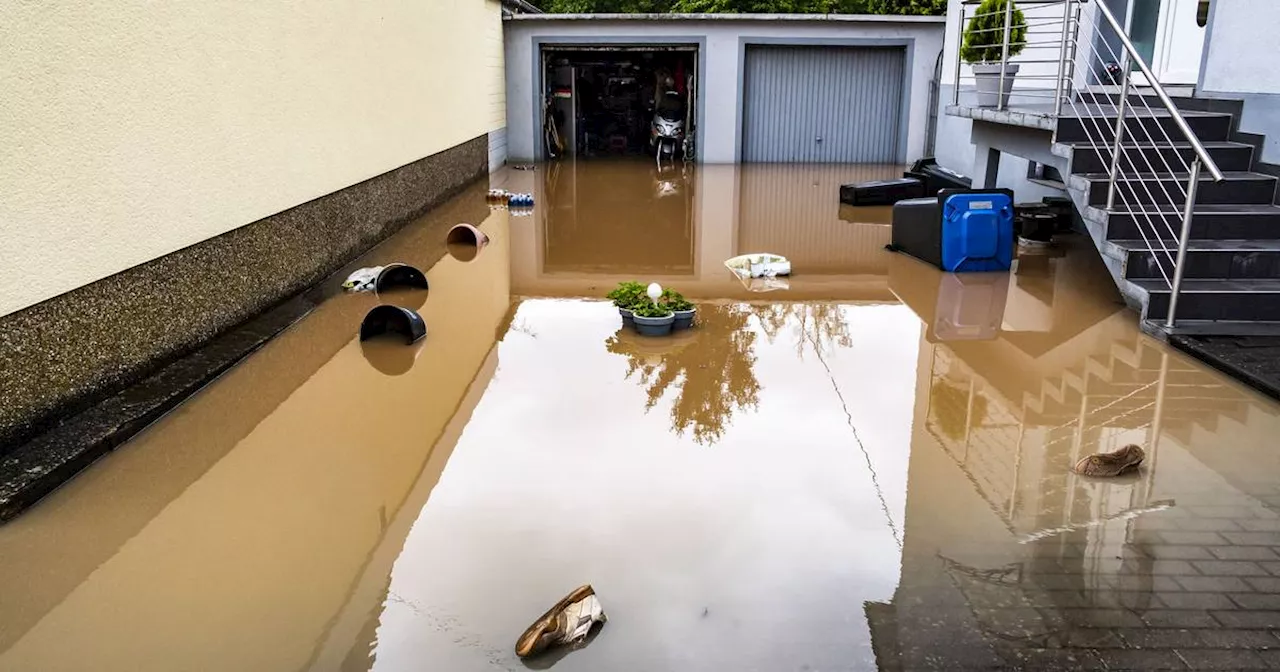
{"x": 628, "y": 294}
{"x": 984, "y": 36}
{"x": 650, "y": 309}
{"x": 675, "y": 300}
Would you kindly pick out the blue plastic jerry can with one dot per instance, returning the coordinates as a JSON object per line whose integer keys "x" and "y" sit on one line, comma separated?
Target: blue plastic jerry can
{"x": 977, "y": 232}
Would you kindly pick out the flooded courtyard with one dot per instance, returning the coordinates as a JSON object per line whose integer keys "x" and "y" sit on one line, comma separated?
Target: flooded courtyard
{"x": 866, "y": 469}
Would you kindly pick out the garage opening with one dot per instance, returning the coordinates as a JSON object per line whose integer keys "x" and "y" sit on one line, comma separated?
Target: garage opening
{"x": 616, "y": 101}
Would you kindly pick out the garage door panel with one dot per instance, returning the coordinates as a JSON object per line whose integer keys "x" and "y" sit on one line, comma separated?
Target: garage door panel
{"x": 822, "y": 104}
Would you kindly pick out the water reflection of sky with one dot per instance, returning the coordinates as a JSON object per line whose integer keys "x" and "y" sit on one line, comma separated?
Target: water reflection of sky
{"x": 724, "y": 555}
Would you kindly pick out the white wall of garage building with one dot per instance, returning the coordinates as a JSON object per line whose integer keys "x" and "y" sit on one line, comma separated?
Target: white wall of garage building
{"x": 724, "y": 42}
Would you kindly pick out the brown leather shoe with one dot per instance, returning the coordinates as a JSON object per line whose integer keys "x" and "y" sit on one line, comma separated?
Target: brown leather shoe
{"x": 568, "y": 622}
{"x": 1111, "y": 464}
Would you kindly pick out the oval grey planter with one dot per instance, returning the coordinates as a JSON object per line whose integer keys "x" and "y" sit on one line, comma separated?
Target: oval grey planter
{"x": 654, "y": 326}
{"x": 684, "y": 319}
{"x": 625, "y": 313}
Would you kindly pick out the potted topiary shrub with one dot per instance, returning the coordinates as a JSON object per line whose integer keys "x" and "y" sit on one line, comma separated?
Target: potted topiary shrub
{"x": 653, "y": 319}
{"x": 681, "y": 307}
{"x": 626, "y": 295}
{"x": 983, "y": 49}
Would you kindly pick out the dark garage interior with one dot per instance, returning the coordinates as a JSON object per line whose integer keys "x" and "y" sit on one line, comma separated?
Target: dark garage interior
{"x": 601, "y": 101}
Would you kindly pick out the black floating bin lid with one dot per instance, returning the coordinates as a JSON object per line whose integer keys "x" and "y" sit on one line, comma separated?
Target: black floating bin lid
{"x": 400, "y": 275}
{"x": 393, "y": 319}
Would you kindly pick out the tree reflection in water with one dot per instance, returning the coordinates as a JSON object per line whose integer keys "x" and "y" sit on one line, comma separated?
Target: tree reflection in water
{"x": 710, "y": 367}
{"x": 818, "y": 325}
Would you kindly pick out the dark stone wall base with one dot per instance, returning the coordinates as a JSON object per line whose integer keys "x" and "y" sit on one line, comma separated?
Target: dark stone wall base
{"x": 33, "y": 470}
{"x": 63, "y": 355}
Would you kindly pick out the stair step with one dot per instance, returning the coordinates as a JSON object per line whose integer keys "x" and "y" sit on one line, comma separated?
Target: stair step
{"x": 1239, "y": 300}
{"x": 1234, "y": 222}
{"x": 1238, "y": 187}
{"x": 1207, "y": 259}
{"x": 1227, "y": 327}
{"x": 1143, "y": 157}
{"x": 1208, "y": 126}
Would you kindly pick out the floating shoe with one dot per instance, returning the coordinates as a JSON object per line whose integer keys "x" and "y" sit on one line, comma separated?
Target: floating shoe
{"x": 568, "y": 622}
{"x": 1110, "y": 464}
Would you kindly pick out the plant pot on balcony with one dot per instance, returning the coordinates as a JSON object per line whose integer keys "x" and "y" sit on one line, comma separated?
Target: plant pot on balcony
{"x": 988, "y": 79}
{"x": 684, "y": 319}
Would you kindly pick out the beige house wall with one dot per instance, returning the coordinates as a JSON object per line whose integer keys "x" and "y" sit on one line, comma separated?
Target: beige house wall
{"x": 133, "y": 129}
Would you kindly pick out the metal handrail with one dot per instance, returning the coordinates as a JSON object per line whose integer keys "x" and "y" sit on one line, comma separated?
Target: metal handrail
{"x": 1209, "y": 163}
{"x": 1150, "y": 183}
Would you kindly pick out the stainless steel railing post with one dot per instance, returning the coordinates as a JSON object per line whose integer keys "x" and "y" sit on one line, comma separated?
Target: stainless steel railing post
{"x": 1179, "y": 266}
{"x": 1004, "y": 53}
{"x": 959, "y": 50}
{"x": 1115, "y": 152}
{"x": 1062, "y": 58}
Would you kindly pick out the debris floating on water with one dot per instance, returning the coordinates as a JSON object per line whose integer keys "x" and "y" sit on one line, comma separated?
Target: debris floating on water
{"x": 362, "y": 280}
{"x": 566, "y": 624}
{"x": 764, "y": 284}
{"x": 380, "y": 278}
{"x": 759, "y": 265}
{"x": 464, "y": 242}
{"x": 386, "y": 319}
{"x": 1110, "y": 464}
{"x": 400, "y": 275}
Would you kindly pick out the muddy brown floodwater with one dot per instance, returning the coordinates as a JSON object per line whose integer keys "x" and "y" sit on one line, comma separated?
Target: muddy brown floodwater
{"x": 867, "y": 468}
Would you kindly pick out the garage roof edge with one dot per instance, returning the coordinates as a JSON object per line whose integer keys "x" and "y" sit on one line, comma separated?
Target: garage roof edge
{"x": 825, "y": 18}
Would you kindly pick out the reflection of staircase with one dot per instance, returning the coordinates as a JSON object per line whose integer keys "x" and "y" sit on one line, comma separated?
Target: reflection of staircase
{"x": 1120, "y": 389}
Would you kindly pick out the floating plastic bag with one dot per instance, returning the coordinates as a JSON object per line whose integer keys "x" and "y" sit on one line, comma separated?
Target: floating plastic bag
{"x": 362, "y": 280}
{"x": 759, "y": 265}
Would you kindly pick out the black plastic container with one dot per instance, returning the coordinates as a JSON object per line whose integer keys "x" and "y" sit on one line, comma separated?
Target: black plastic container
{"x": 917, "y": 225}
{"x": 1064, "y": 209}
{"x": 881, "y": 192}
{"x": 936, "y": 178}
{"x": 1039, "y": 225}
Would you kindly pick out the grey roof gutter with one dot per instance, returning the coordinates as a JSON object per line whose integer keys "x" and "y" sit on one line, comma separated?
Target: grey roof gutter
{"x": 821, "y": 18}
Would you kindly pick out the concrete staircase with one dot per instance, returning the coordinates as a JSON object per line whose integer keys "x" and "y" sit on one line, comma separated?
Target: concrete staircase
{"x": 1232, "y": 272}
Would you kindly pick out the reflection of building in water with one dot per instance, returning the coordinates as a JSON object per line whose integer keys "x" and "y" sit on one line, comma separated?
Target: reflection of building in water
{"x": 616, "y": 218}
{"x": 268, "y": 509}
{"x": 1011, "y": 559}
{"x": 600, "y": 223}
{"x": 794, "y": 210}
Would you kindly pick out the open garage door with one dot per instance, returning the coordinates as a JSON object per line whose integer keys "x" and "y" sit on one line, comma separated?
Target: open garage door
{"x": 602, "y": 99}
{"x": 823, "y": 104}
